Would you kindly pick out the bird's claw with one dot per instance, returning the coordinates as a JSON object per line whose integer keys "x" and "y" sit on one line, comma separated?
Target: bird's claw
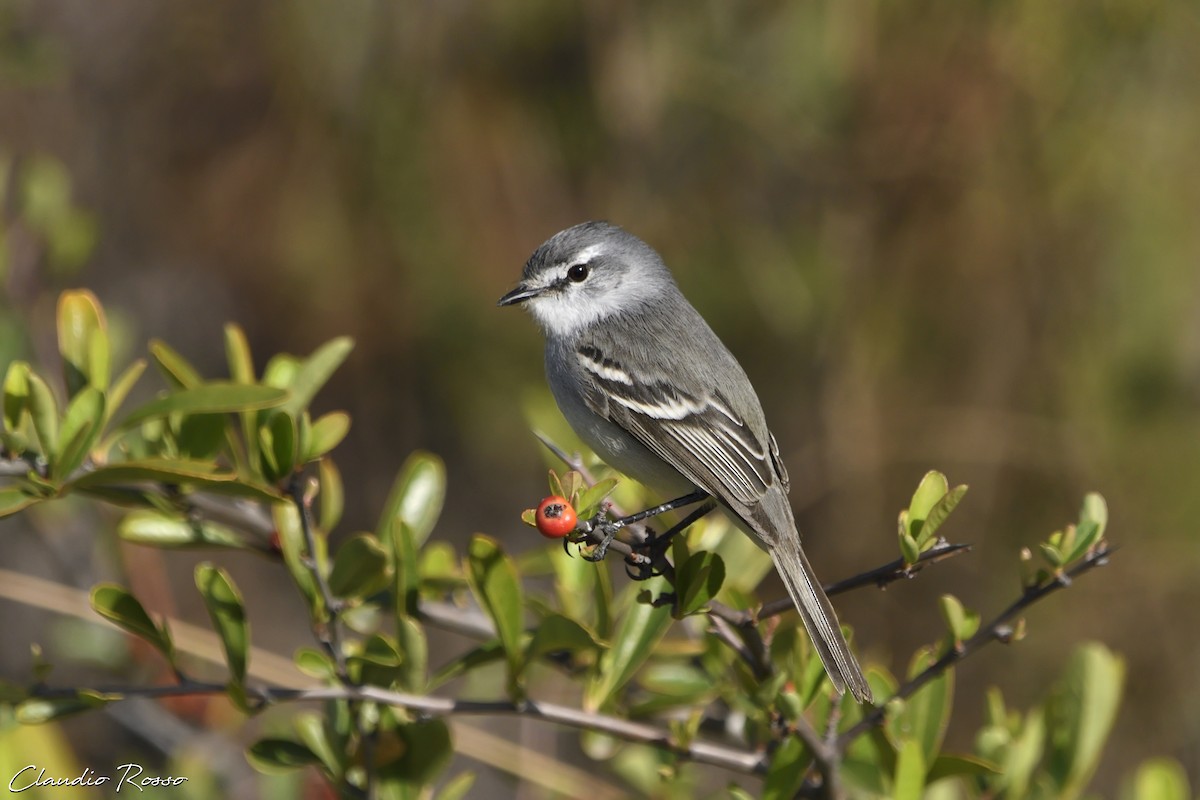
{"x": 643, "y": 567}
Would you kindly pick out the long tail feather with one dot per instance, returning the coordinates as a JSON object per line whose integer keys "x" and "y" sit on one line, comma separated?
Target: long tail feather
{"x": 819, "y": 618}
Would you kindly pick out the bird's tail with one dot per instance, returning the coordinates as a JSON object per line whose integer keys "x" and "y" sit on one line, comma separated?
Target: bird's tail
{"x": 819, "y": 618}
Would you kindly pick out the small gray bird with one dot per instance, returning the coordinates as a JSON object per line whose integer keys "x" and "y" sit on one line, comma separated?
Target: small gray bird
{"x": 646, "y": 383}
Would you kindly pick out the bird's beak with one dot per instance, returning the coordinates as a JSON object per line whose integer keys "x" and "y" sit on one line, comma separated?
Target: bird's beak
{"x": 520, "y": 294}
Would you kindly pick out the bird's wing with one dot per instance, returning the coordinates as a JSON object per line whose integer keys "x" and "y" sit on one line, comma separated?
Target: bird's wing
{"x": 691, "y": 427}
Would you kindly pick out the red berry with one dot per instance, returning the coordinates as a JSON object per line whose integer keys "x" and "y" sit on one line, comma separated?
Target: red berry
{"x": 555, "y": 517}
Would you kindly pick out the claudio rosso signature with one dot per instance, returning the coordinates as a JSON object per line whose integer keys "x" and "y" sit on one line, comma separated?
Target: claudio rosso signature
{"x": 129, "y": 776}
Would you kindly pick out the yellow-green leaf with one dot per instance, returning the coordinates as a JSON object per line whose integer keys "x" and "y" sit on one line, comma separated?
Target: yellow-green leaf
{"x": 315, "y": 371}
{"x": 157, "y": 470}
{"x": 228, "y": 615}
{"x": 44, "y": 410}
{"x": 80, "y": 428}
{"x": 327, "y": 433}
{"x": 634, "y": 639}
{"x": 910, "y": 772}
{"x": 37, "y": 710}
{"x": 1080, "y": 715}
{"x": 121, "y": 608}
{"x": 276, "y": 756}
{"x": 416, "y": 496}
{"x": 331, "y": 497}
{"x": 159, "y": 529}
{"x": 209, "y": 398}
{"x": 174, "y": 367}
{"x": 13, "y": 500}
{"x": 16, "y": 394}
{"x": 360, "y": 568}
{"x": 493, "y": 578}
{"x": 82, "y": 341}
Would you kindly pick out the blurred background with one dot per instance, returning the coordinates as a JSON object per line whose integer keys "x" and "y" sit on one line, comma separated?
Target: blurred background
{"x": 954, "y": 234}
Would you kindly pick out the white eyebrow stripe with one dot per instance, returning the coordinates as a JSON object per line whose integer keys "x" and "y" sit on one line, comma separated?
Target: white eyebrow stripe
{"x": 583, "y": 256}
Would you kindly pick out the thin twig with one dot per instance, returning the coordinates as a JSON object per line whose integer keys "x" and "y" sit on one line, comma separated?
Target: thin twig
{"x": 826, "y": 758}
{"x": 879, "y": 576}
{"x": 329, "y": 634}
{"x": 701, "y": 752}
{"x": 993, "y": 631}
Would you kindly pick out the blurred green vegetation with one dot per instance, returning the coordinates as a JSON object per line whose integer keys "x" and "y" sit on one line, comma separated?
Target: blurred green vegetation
{"x": 959, "y": 234}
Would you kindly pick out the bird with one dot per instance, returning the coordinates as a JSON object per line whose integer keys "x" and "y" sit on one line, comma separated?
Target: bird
{"x": 646, "y": 383}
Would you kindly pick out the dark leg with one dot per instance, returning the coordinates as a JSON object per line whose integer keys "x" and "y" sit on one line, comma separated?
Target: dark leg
{"x": 644, "y": 563}
{"x": 609, "y": 529}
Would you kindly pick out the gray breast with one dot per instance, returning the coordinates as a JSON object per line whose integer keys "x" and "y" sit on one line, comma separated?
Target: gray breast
{"x": 615, "y": 447}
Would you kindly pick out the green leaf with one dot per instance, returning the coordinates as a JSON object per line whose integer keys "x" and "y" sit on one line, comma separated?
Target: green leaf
{"x": 237, "y": 354}
{"x": 174, "y": 367}
{"x": 925, "y": 716}
{"x": 497, "y": 588}
{"x": 315, "y": 371}
{"x": 1161, "y": 779}
{"x": 405, "y": 558}
{"x": 1094, "y": 510}
{"x": 411, "y": 640}
{"x": 44, "y": 410}
{"x": 910, "y": 772}
{"x": 377, "y": 663}
{"x": 675, "y": 678}
{"x": 155, "y": 470}
{"x": 426, "y": 750}
{"x": 310, "y": 726}
{"x": 572, "y": 483}
{"x": 557, "y": 633}
{"x": 457, "y": 787}
{"x": 228, "y": 615}
{"x": 360, "y": 568}
{"x": 124, "y": 610}
{"x": 121, "y": 388}
{"x": 37, "y": 710}
{"x": 315, "y": 664}
{"x": 295, "y": 556}
{"x": 933, "y": 487}
{"x": 938, "y": 514}
{"x": 556, "y": 485}
{"x": 1080, "y": 714}
{"x": 331, "y": 496}
{"x": 788, "y": 767}
{"x": 209, "y": 398}
{"x": 13, "y": 500}
{"x": 638, "y": 632}
{"x": 241, "y": 370}
{"x": 698, "y": 581}
{"x": 588, "y": 503}
{"x": 416, "y": 496}
{"x": 80, "y": 429}
{"x": 16, "y": 394}
{"x": 1093, "y": 519}
{"x": 83, "y": 341}
{"x": 961, "y": 623}
{"x": 275, "y": 756}
{"x": 1052, "y": 554}
{"x": 484, "y": 654}
{"x": 201, "y": 436}
{"x": 909, "y": 549}
{"x": 327, "y": 433}
{"x": 960, "y": 766}
{"x": 277, "y": 442}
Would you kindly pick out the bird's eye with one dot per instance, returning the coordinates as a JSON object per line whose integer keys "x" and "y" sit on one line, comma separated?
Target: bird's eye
{"x": 578, "y": 273}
